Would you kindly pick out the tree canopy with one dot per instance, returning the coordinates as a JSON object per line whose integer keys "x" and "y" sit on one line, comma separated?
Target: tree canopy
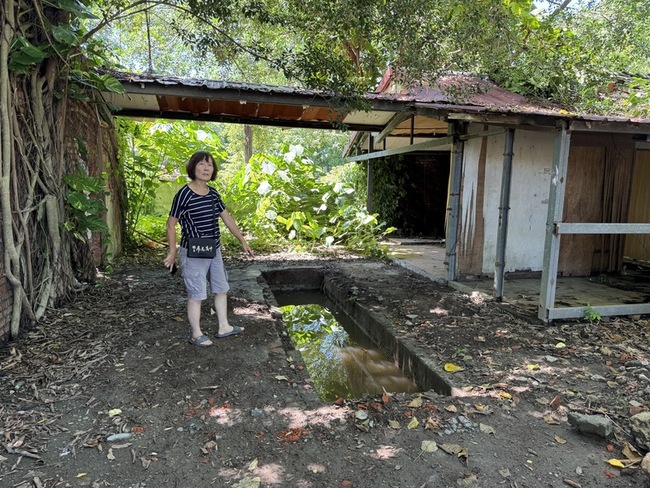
{"x": 569, "y": 51}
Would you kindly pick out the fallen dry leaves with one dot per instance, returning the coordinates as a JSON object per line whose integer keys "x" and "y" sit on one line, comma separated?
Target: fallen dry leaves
{"x": 292, "y": 435}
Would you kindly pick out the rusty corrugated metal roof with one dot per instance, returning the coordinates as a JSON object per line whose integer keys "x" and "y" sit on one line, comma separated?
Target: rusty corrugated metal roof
{"x": 463, "y": 92}
{"x": 254, "y": 103}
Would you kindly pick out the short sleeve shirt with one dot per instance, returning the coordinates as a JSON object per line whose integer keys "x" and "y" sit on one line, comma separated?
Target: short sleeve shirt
{"x": 198, "y": 214}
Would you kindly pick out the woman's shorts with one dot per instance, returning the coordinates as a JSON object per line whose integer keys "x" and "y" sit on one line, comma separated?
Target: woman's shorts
{"x": 197, "y": 271}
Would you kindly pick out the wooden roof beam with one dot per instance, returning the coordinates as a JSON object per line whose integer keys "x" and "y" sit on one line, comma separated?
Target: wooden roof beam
{"x": 537, "y": 122}
{"x": 437, "y": 142}
{"x": 397, "y": 119}
{"x": 236, "y": 119}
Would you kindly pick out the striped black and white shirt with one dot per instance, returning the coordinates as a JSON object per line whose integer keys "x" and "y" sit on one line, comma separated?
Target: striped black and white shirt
{"x": 198, "y": 214}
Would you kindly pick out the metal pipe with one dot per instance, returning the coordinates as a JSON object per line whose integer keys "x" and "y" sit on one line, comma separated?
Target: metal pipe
{"x": 504, "y": 208}
{"x": 370, "y": 174}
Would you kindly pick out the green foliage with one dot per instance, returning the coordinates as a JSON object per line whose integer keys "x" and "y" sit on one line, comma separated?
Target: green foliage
{"x": 581, "y": 56}
{"x": 153, "y": 227}
{"x": 324, "y": 148}
{"x": 154, "y": 154}
{"x": 390, "y": 185}
{"x": 569, "y": 54}
{"x": 281, "y": 199}
{"x": 215, "y": 40}
{"x": 287, "y": 200}
{"x": 85, "y": 211}
{"x": 591, "y": 315}
{"x": 69, "y": 42}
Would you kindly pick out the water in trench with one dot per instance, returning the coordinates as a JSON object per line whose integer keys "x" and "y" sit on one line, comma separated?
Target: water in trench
{"x": 341, "y": 360}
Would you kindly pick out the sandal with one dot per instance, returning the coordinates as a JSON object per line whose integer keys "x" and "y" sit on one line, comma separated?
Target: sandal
{"x": 235, "y": 330}
{"x": 200, "y": 341}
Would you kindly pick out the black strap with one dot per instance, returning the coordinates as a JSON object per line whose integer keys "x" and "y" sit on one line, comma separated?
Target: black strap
{"x": 214, "y": 214}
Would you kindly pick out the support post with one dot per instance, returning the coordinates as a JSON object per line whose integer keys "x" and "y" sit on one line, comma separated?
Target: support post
{"x": 453, "y": 198}
{"x": 555, "y": 209}
{"x": 504, "y": 209}
{"x": 370, "y": 174}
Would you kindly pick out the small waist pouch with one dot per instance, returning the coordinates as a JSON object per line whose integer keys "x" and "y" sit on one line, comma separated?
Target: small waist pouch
{"x": 201, "y": 247}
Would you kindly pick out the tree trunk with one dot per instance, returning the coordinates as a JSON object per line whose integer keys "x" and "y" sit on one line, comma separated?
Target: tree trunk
{"x": 36, "y": 244}
{"x": 248, "y": 143}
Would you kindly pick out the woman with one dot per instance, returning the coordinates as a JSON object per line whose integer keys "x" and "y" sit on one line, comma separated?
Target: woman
{"x": 197, "y": 208}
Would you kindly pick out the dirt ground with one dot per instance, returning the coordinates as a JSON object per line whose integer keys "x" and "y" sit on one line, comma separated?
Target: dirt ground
{"x": 107, "y": 392}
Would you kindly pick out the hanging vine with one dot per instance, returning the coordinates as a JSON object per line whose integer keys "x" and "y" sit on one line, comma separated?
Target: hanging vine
{"x": 39, "y": 56}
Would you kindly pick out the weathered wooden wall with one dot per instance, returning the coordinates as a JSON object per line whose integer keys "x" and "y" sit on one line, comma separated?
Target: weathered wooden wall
{"x": 597, "y": 190}
{"x": 637, "y": 247}
{"x": 530, "y": 181}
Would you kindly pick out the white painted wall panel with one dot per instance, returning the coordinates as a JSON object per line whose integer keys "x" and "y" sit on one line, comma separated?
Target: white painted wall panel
{"x": 531, "y": 170}
{"x": 468, "y": 193}
{"x": 531, "y": 167}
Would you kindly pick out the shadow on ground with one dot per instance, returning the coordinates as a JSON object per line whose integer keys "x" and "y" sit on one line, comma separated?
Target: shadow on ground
{"x": 108, "y": 392}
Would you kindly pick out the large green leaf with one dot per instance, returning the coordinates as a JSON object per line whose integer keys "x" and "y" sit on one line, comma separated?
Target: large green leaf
{"x": 75, "y": 7}
{"x": 66, "y": 35}
{"x": 111, "y": 84}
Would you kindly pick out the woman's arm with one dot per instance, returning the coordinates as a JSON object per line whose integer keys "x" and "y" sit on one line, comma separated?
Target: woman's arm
{"x": 171, "y": 240}
{"x": 232, "y": 227}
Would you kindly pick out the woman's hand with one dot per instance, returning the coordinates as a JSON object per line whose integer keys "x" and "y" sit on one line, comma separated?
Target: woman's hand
{"x": 247, "y": 249}
{"x": 170, "y": 260}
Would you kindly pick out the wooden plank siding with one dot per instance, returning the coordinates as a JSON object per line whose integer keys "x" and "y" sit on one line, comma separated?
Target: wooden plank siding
{"x": 582, "y": 203}
{"x": 598, "y": 191}
{"x": 472, "y": 219}
{"x": 637, "y": 247}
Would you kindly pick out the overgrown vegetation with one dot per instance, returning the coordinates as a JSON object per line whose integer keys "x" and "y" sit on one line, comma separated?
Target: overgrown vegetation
{"x": 282, "y": 200}
{"x": 390, "y": 185}
{"x": 85, "y": 205}
{"x": 48, "y": 70}
{"x": 587, "y": 55}
{"x": 287, "y": 199}
{"x": 154, "y": 154}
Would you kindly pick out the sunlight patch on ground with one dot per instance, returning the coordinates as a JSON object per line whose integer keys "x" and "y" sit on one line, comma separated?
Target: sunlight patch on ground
{"x": 255, "y": 475}
{"x": 439, "y": 311}
{"x": 270, "y": 474}
{"x": 248, "y": 311}
{"x": 500, "y": 392}
{"x": 321, "y": 416}
{"x": 226, "y": 415}
{"x": 386, "y": 452}
{"x": 517, "y": 374}
{"x": 551, "y": 416}
{"x": 478, "y": 298}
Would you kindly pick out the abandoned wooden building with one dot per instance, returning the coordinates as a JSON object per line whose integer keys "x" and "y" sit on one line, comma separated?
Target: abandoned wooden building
{"x": 515, "y": 188}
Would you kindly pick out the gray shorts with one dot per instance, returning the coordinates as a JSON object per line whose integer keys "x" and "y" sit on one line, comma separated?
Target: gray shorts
{"x": 196, "y": 272}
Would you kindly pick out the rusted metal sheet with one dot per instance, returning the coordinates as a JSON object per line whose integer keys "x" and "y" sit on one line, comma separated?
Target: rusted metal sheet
{"x": 283, "y": 105}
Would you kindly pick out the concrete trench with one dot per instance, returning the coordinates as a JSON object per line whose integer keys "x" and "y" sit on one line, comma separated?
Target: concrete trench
{"x": 403, "y": 350}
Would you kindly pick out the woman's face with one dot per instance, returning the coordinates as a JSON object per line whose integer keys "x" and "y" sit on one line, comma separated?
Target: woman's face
{"x": 204, "y": 170}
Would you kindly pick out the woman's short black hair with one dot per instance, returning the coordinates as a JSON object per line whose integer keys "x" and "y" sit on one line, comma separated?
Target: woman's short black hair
{"x": 195, "y": 159}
